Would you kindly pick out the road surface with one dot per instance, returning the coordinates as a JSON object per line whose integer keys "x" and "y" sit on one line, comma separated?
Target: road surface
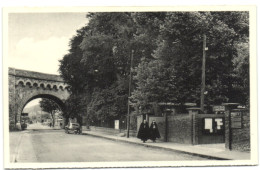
{"x": 48, "y": 145}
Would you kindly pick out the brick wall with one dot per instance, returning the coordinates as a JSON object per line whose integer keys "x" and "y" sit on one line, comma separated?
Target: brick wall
{"x": 238, "y": 138}
{"x": 180, "y": 129}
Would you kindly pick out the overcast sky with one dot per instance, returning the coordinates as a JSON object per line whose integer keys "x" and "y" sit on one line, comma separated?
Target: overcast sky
{"x": 37, "y": 41}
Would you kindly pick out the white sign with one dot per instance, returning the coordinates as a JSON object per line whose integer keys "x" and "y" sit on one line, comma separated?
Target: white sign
{"x": 116, "y": 124}
{"x": 208, "y": 124}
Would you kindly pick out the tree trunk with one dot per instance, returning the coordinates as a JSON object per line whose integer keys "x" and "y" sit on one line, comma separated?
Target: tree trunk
{"x": 53, "y": 121}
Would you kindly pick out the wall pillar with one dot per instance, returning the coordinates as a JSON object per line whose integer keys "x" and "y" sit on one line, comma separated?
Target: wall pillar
{"x": 237, "y": 130}
{"x": 194, "y": 131}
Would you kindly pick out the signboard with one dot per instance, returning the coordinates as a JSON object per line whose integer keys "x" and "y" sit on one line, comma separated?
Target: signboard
{"x": 219, "y": 109}
{"x": 236, "y": 120}
{"x": 116, "y": 124}
{"x": 213, "y": 125}
{"x": 24, "y": 114}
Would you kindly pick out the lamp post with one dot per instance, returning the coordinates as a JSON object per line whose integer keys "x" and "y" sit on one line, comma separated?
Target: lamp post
{"x": 129, "y": 94}
{"x": 203, "y": 74}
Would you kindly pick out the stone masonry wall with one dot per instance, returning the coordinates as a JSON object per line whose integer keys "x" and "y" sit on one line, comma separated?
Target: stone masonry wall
{"x": 35, "y": 75}
{"x": 180, "y": 129}
{"x": 12, "y": 108}
{"x": 239, "y": 138}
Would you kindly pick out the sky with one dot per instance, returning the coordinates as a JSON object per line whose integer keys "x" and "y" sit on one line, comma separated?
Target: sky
{"x": 37, "y": 41}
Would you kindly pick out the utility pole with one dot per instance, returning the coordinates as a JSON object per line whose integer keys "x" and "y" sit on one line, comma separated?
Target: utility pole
{"x": 129, "y": 94}
{"x": 203, "y": 74}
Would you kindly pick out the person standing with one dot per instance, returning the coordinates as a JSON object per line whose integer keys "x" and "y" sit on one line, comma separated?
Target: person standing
{"x": 144, "y": 131}
{"x": 154, "y": 132}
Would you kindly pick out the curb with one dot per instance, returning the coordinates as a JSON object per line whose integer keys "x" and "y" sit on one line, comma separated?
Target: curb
{"x": 159, "y": 147}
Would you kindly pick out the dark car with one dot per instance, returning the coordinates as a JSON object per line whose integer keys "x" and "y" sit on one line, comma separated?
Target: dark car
{"x": 73, "y": 128}
{"x": 23, "y": 125}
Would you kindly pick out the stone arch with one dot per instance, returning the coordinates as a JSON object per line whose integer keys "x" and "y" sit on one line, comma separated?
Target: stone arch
{"x": 28, "y": 83}
{"x": 55, "y": 87}
{"x": 61, "y": 87}
{"x": 48, "y": 86}
{"x": 42, "y": 85}
{"x": 20, "y": 81}
{"x": 42, "y": 94}
{"x": 35, "y": 84}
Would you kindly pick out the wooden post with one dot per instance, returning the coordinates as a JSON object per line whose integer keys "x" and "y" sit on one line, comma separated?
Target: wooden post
{"x": 203, "y": 75}
{"x": 166, "y": 127}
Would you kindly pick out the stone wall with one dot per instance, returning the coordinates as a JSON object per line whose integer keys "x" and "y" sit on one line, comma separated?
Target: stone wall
{"x": 238, "y": 138}
{"x": 34, "y": 75}
{"x": 180, "y": 129}
{"x": 12, "y": 120}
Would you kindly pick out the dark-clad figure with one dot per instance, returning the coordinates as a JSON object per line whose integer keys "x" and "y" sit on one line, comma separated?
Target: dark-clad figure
{"x": 154, "y": 132}
{"x": 144, "y": 131}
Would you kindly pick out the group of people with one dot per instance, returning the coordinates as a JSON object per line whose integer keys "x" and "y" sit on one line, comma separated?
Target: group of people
{"x": 145, "y": 132}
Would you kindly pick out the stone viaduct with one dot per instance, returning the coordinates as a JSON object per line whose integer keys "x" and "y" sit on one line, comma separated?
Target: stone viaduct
{"x": 24, "y": 86}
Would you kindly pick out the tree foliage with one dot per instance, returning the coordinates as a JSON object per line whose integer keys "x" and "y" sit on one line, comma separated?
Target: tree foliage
{"x": 167, "y": 60}
{"x": 50, "y": 107}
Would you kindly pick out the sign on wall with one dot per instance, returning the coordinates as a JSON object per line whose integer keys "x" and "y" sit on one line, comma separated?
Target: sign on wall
{"x": 116, "y": 124}
{"x": 213, "y": 125}
{"x": 219, "y": 109}
{"x": 236, "y": 120}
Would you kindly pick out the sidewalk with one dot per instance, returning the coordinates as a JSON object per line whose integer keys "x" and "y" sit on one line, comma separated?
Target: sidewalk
{"x": 15, "y": 139}
{"x": 211, "y": 151}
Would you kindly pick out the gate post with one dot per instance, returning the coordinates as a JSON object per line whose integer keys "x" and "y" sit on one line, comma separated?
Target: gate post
{"x": 228, "y": 129}
{"x": 228, "y": 136}
{"x": 194, "y": 131}
{"x": 166, "y": 127}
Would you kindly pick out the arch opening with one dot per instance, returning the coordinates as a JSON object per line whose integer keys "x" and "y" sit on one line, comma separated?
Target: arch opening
{"x": 45, "y": 120}
{"x": 61, "y": 87}
{"x": 35, "y": 85}
{"x": 28, "y": 84}
{"x": 42, "y": 85}
{"x": 20, "y": 83}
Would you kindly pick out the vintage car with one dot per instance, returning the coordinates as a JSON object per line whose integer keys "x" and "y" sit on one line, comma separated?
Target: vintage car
{"x": 73, "y": 128}
{"x": 23, "y": 125}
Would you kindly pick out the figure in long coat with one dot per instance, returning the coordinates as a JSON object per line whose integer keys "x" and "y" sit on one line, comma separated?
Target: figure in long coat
{"x": 144, "y": 131}
{"x": 154, "y": 132}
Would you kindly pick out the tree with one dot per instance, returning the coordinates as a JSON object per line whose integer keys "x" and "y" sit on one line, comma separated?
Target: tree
{"x": 51, "y": 107}
{"x": 104, "y": 59}
{"x": 154, "y": 82}
{"x": 180, "y": 45}
{"x": 167, "y": 61}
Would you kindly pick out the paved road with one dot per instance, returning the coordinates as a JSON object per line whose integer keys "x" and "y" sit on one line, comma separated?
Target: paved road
{"x": 47, "y": 145}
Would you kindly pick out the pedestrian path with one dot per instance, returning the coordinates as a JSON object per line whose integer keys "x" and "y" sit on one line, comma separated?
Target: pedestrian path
{"x": 211, "y": 151}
